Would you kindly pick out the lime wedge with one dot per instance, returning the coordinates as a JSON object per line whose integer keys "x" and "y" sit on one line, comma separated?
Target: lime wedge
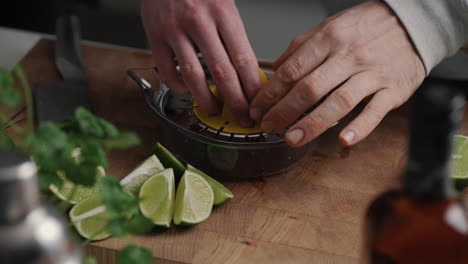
{"x": 157, "y": 197}
{"x": 460, "y": 162}
{"x": 194, "y": 199}
{"x": 221, "y": 193}
{"x": 135, "y": 179}
{"x": 73, "y": 193}
{"x": 169, "y": 160}
{"x": 90, "y": 218}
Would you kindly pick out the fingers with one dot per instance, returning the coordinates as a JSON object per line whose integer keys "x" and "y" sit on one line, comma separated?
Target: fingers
{"x": 368, "y": 119}
{"x": 334, "y": 108}
{"x": 306, "y": 59}
{"x": 166, "y": 66}
{"x": 241, "y": 54}
{"x": 305, "y": 94}
{"x": 193, "y": 75}
{"x": 207, "y": 39}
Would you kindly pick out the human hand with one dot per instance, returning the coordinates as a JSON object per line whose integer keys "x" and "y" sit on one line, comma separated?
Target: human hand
{"x": 363, "y": 51}
{"x": 178, "y": 28}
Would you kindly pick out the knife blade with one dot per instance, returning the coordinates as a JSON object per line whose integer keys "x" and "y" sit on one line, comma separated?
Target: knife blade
{"x": 58, "y": 101}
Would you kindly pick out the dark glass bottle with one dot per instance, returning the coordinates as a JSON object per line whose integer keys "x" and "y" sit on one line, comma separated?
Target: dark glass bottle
{"x": 424, "y": 222}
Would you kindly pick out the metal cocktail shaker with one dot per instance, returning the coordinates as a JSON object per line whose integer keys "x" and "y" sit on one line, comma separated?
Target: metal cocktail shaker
{"x": 29, "y": 231}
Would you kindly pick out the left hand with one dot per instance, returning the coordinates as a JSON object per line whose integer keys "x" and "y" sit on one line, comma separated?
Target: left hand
{"x": 363, "y": 51}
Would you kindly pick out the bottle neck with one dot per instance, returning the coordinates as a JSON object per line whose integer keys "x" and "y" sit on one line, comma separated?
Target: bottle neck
{"x": 438, "y": 109}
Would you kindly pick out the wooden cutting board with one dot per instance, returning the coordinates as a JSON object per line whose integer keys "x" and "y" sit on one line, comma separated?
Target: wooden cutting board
{"x": 313, "y": 213}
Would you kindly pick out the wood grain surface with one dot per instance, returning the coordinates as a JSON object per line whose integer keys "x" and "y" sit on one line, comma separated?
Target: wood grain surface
{"x": 313, "y": 213}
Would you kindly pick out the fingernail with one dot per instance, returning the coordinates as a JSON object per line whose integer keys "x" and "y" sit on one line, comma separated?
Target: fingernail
{"x": 348, "y": 136}
{"x": 246, "y": 122}
{"x": 268, "y": 126}
{"x": 295, "y": 136}
{"x": 256, "y": 113}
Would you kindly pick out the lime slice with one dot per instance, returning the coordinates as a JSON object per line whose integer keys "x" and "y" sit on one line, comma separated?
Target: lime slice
{"x": 90, "y": 218}
{"x": 460, "y": 162}
{"x": 194, "y": 199}
{"x": 157, "y": 198}
{"x": 135, "y": 179}
{"x": 73, "y": 193}
{"x": 169, "y": 160}
{"x": 221, "y": 193}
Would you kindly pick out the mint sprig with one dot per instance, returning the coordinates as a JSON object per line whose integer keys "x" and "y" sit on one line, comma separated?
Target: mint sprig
{"x": 123, "y": 207}
{"x": 133, "y": 254}
{"x": 76, "y": 147}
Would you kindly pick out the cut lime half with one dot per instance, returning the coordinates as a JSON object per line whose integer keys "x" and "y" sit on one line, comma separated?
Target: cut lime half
{"x": 157, "y": 197}
{"x": 460, "y": 162}
{"x": 169, "y": 160}
{"x": 221, "y": 193}
{"x": 90, "y": 218}
{"x": 74, "y": 193}
{"x": 135, "y": 179}
{"x": 194, "y": 199}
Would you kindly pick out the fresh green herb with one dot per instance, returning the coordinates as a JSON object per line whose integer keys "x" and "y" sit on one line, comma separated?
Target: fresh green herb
{"x": 6, "y": 143}
{"x": 123, "y": 207}
{"x": 6, "y": 80}
{"x": 116, "y": 200}
{"x": 122, "y": 141}
{"x": 139, "y": 224}
{"x": 89, "y": 260}
{"x": 75, "y": 148}
{"x": 133, "y": 254}
{"x": 9, "y": 96}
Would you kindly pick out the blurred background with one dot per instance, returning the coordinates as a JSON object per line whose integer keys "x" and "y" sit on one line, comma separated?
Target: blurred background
{"x": 270, "y": 24}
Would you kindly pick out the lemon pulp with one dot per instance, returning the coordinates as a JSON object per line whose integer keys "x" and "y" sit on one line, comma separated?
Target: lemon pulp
{"x": 226, "y": 120}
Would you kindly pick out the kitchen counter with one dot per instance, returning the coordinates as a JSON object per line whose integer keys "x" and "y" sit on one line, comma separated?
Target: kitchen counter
{"x": 313, "y": 213}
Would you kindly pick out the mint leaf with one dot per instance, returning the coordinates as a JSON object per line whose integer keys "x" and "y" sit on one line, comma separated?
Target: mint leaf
{"x": 47, "y": 178}
{"x": 6, "y": 143}
{"x": 109, "y": 129}
{"x": 10, "y": 98}
{"x": 84, "y": 173}
{"x": 49, "y": 147}
{"x": 129, "y": 223}
{"x": 139, "y": 224}
{"x": 117, "y": 201}
{"x": 122, "y": 141}
{"x": 91, "y": 155}
{"x": 117, "y": 227}
{"x": 91, "y": 150}
{"x": 133, "y": 254}
{"x": 123, "y": 208}
{"x": 89, "y": 260}
{"x": 6, "y": 80}
{"x": 88, "y": 123}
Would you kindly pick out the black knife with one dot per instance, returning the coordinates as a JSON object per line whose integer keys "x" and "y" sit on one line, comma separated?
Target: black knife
{"x": 58, "y": 101}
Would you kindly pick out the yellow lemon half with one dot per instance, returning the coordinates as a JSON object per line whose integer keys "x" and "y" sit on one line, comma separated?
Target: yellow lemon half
{"x": 226, "y": 119}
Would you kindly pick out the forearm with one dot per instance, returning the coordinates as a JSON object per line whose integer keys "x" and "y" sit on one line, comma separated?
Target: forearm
{"x": 438, "y": 28}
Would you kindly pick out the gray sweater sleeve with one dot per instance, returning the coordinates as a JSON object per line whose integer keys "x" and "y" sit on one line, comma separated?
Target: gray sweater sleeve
{"x": 438, "y": 28}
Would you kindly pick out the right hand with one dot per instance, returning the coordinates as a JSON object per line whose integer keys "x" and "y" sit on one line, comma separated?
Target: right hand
{"x": 179, "y": 28}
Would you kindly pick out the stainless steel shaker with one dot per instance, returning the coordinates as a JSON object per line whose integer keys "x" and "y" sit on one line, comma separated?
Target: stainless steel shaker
{"x": 30, "y": 232}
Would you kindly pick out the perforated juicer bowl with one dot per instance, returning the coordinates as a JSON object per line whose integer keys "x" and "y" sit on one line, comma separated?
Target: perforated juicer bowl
{"x": 217, "y": 153}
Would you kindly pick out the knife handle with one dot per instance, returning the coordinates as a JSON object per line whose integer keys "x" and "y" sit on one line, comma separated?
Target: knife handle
{"x": 68, "y": 57}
